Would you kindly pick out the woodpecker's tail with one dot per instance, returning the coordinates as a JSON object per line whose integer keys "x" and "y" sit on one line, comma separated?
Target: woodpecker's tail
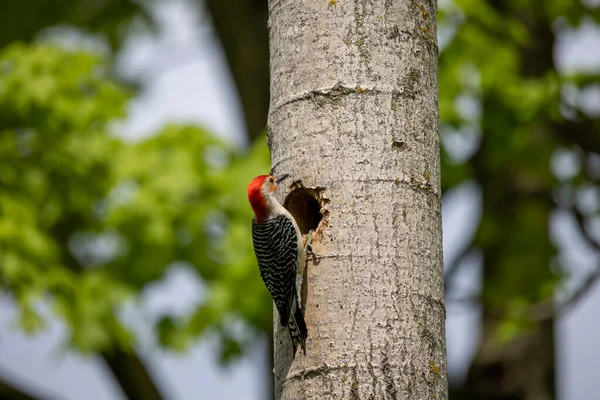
{"x": 297, "y": 328}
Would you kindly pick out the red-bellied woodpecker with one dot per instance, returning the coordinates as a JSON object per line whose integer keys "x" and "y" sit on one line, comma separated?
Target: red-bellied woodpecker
{"x": 278, "y": 247}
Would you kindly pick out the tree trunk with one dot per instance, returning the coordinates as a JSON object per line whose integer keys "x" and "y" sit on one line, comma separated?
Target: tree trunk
{"x": 523, "y": 367}
{"x": 353, "y": 119}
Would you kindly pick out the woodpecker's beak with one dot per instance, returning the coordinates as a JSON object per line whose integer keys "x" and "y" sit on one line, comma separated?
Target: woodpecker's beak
{"x": 281, "y": 178}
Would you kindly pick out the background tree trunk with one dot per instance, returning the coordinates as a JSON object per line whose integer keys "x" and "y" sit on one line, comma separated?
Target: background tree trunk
{"x": 242, "y": 29}
{"x": 353, "y": 119}
{"x": 522, "y": 368}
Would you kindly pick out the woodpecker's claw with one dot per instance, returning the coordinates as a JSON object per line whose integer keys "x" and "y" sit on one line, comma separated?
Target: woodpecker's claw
{"x": 309, "y": 249}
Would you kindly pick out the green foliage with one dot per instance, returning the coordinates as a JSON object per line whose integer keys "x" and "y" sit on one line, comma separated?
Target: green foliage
{"x": 501, "y": 58}
{"x": 234, "y": 270}
{"x": 54, "y": 167}
{"x": 111, "y": 18}
{"x": 88, "y": 220}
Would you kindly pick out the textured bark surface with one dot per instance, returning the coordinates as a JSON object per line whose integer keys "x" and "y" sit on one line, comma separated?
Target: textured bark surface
{"x": 353, "y": 114}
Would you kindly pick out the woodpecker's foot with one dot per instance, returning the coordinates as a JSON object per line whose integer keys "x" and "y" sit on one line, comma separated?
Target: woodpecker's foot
{"x": 309, "y": 249}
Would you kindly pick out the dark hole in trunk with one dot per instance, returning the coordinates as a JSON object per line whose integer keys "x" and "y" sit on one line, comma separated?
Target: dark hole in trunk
{"x": 305, "y": 209}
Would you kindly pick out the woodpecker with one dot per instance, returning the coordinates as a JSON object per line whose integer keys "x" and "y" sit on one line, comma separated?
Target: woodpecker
{"x": 278, "y": 247}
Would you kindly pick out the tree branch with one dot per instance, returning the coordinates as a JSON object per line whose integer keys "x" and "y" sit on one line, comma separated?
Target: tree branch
{"x": 581, "y": 223}
{"x": 548, "y": 309}
{"x": 591, "y": 279}
{"x": 582, "y": 132}
{"x": 451, "y": 270}
{"x": 132, "y": 375}
{"x": 10, "y": 392}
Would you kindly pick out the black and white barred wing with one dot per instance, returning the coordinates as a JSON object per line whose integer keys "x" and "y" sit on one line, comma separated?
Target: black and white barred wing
{"x": 276, "y": 248}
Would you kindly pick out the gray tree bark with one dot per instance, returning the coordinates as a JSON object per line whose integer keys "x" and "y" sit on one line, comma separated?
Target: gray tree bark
{"x": 353, "y": 119}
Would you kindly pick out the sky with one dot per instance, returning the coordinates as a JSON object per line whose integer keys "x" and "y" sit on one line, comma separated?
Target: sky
{"x": 186, "y": 80}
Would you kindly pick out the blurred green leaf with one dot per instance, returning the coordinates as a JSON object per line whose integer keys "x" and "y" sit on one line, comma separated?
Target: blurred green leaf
{"x": 88, "y": 220}
{"x": 501, "y": 54}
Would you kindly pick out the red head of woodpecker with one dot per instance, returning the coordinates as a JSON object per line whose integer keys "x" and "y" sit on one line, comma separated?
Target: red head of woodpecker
{"x": 260, "y": 194}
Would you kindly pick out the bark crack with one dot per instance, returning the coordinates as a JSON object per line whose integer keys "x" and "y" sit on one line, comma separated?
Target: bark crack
{"x": 370, "y": 365}
{"x": 310, "y": 373}
{"x": 320, "y": 96}
{"x": 388, "y": 376}
{"x": 417, "y": 186}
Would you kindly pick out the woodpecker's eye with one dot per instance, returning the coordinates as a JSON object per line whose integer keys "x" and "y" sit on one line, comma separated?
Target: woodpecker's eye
{"x": 271, "y": 180}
